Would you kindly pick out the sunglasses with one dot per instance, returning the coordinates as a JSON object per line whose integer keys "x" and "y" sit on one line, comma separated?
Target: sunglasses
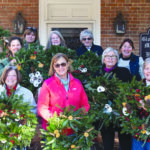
{"x": 62, "y": 65}
{"x": 84, "y": 39}
{"x": 32, "y": 28}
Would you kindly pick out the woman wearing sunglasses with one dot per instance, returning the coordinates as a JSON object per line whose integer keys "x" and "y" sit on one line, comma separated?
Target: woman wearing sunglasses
{"x": 86, "y": 38}
{"x": 60, "y": 89}
{"x": 30, "y": 36}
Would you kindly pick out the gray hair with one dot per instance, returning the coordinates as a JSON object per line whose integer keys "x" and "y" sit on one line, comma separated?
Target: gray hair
{"x": 49, "y": 43}
{"x": 86, "y": 32}
{"x": 147, "y": 61}
{"x": 107, "y": 50}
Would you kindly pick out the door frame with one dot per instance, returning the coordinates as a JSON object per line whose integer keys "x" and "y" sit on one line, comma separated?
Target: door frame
{"x": 44, "y": 24}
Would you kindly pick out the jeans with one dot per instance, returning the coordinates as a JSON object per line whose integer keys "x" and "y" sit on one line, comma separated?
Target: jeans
{"x": 18, "y": 148}
{"x": 138, "y": 145}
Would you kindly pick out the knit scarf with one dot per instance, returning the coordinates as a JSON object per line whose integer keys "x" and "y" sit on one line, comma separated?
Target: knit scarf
{"x": 65, "y": 83}
{"x": 10, "y": 91}
{"x": 109, "y": 69}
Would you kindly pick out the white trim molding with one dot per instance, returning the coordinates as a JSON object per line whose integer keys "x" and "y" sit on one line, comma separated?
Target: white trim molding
{"x": 69, "y": 14}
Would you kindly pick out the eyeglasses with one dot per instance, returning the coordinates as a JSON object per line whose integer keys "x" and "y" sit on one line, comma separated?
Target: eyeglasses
{"x": 32, "y": 28}
{"x": 112, "y": 56}
{"x": 62, "y": 65}
{"x": 84, "y": 39}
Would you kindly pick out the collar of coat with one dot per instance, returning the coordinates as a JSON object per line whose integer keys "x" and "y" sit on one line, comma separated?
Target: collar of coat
{"x": 4, "y": 87}
{"x": 59, "y": 81}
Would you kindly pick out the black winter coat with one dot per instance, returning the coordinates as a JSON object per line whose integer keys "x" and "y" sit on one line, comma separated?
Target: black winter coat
{"x": 95, "y": 48}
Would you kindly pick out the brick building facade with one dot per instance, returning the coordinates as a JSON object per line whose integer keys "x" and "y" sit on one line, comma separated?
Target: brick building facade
{"x": 135, "y": 12}
{"x": 9, "y": 9}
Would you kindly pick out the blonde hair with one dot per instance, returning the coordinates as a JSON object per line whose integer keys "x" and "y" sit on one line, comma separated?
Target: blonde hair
{"x": 55, "y": 58}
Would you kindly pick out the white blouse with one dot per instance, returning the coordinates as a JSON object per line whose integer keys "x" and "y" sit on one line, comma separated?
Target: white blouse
{"x": 125, "y": 63}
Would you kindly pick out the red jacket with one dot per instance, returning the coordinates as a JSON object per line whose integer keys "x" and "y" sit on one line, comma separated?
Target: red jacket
{"x": 53, "y": 93}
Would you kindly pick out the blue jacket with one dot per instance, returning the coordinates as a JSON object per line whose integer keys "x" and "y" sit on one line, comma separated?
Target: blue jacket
{"x": 134, "y": 66}
{"x": 95, "y": 48}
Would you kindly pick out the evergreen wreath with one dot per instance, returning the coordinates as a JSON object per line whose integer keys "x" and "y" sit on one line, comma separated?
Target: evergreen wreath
{"x": 17, "y": 122}
{"x": 130, "y": 101}
{"x": 34, "y": 64}
{"x": 78, "y": 121}
{"x": 102, "y": 92}
{"x": 86, "y": 66}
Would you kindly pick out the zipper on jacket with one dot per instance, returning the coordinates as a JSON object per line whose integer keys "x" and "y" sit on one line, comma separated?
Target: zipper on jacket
{"x": 66, "y": 96}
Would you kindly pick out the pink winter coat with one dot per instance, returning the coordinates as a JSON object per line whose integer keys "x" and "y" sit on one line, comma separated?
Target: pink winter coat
{"x": 53, "y": 93}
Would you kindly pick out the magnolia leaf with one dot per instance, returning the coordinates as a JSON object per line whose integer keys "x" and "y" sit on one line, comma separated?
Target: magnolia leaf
{"x": 52, "y": 141}
{"x": 54, "y": 144}
{"x": 147, "y": 120}
{"x": 77, "y": 121}
{"x": 52, "y": 126}
{"x": 87, "y": 85}
{"x": 65, "y": 123}
{"x": 46, "y": 148}
{"x": 66, "y": 110}
{"x": 91, "y": 89}
{"x": 81, "y": 139}
{"x": 71, "y": 125}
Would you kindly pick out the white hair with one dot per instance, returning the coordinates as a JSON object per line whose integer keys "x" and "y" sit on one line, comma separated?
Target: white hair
{"x": 86, "y": 32}
{"x": 146, "y": 62}
{"x": 107, "y": 50}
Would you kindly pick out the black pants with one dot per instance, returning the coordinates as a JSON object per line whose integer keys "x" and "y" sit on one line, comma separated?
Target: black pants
{"x": 108, "y": 136}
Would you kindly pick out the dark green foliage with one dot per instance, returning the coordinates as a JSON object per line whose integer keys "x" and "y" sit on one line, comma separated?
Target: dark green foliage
{"x": 129, "y": 98}
{"x": 79, "y": 121}
{"x": 3, "y": 34}
{"x": 17, "y": 122}
{"x": 90, "y": 61}
{"x": 110, "y": 90}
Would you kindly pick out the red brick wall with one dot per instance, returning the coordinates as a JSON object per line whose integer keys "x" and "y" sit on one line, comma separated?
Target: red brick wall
{"x": 9, "y": 9}
{"x": 137, "y": 14}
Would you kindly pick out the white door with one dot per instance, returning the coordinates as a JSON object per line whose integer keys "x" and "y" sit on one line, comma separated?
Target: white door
{"x": 69, "y": 14}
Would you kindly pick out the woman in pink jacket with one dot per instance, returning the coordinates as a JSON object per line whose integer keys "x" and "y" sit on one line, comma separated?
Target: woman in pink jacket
{"x": 60, "y": 89}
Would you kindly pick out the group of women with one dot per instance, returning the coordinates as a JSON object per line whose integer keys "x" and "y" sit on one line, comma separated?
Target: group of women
{"x": 63, "y": 89}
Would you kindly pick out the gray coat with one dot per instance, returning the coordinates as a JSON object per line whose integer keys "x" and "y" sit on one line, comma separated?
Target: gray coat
{"x": 27, "y": 95}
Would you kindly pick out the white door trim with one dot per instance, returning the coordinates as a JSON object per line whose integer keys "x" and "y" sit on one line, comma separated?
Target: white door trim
{"x": 44, "y": 23}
